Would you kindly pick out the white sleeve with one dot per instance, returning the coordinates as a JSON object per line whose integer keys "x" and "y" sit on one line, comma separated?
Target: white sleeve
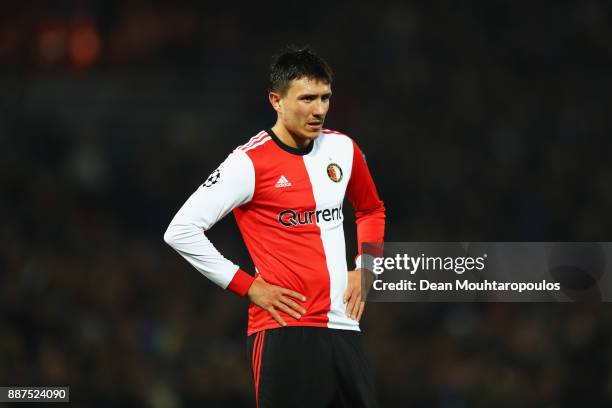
{"x": 228, "y": 187}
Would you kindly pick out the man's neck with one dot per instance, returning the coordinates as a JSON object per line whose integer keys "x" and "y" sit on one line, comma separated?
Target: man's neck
{"x": 289, "y": 139}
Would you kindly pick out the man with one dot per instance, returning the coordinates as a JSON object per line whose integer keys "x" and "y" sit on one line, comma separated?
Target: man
{"x": 286, "y": 186}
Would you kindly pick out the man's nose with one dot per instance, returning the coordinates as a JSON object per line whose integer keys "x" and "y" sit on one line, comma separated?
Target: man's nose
{"x": 319, "y": 108}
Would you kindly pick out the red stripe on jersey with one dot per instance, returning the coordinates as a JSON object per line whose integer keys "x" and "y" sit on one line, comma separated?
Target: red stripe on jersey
{"x": 257, "y": 144}
{"x": 254, "y": 139}
{"x": 332, "y": 132}
{"x": 269, "y": 242}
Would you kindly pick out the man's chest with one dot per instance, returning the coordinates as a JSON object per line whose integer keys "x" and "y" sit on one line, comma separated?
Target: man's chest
{"x": 302, "y": 183}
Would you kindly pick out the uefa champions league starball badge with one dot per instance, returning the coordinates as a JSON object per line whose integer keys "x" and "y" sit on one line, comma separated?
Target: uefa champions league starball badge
{"x": 213, "y": 178}
{"x": 334, "y": 172}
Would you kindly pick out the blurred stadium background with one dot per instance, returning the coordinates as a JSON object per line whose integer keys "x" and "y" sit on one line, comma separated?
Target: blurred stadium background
{"x": 481, "y": 121}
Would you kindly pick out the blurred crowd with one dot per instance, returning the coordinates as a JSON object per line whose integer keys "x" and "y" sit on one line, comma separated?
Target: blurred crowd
{"x": 485, "y": 121}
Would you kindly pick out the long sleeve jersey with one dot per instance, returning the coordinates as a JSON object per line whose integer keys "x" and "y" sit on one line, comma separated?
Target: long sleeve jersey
{"x": 288, "y": 207}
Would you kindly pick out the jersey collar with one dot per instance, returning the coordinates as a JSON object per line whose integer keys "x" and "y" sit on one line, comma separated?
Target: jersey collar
{"x": 289, "y": 149}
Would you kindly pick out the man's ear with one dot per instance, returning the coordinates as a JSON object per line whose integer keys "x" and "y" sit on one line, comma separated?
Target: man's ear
{"x": 274, "y": 99}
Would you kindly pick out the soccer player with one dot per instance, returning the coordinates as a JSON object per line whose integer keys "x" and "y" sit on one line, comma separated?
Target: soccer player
{"x": 286, "y": 187}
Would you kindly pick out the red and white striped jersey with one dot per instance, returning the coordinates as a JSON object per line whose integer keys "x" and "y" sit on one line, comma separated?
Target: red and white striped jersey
{"x": 288, "y": 206}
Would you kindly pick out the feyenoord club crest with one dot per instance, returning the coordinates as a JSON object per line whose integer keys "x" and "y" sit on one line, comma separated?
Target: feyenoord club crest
{"x": 334, "y": 172}
{"x": 213, "y": 178}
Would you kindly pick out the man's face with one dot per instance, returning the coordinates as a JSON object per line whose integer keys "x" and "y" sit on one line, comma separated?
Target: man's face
{"x": 303, "y": 108}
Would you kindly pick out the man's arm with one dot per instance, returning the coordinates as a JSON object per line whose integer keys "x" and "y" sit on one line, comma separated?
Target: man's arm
{"x": 370, "y": 219}
{"x": 228, "y": 187}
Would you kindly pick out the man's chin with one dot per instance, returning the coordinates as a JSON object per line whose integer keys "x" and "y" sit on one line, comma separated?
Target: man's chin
{"x": 310, "y": 133}
{"x": 306, "y": 134}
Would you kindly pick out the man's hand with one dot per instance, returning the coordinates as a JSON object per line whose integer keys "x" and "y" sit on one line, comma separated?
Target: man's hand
{"x": 352, "y": 295}
{"x": 271, "y": 297}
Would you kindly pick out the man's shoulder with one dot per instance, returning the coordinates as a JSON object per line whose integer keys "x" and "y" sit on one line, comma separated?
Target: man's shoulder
{"x": 336, "y": 136}
{"x": 255, "y": 142}
{"x": 335, "y": 140}
{"x": 332, "y": 133}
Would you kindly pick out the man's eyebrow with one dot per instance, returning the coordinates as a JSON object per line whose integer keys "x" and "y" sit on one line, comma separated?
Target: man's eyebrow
{"x": 314, "y": 95}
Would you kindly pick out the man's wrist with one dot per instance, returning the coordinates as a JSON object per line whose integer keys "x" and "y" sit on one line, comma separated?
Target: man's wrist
{"x": 363, "y": 260}
{"x": 241, "y": 283}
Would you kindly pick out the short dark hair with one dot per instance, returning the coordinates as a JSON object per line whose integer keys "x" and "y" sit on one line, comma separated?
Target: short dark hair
{"x": 294, "y": 62}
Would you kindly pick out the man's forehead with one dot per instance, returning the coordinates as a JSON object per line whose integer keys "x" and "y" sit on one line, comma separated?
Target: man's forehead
{"x": 310, "y": 85}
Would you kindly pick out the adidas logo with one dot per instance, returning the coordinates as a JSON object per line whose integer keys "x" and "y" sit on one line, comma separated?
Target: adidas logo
{"x": 282, "y": 182}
